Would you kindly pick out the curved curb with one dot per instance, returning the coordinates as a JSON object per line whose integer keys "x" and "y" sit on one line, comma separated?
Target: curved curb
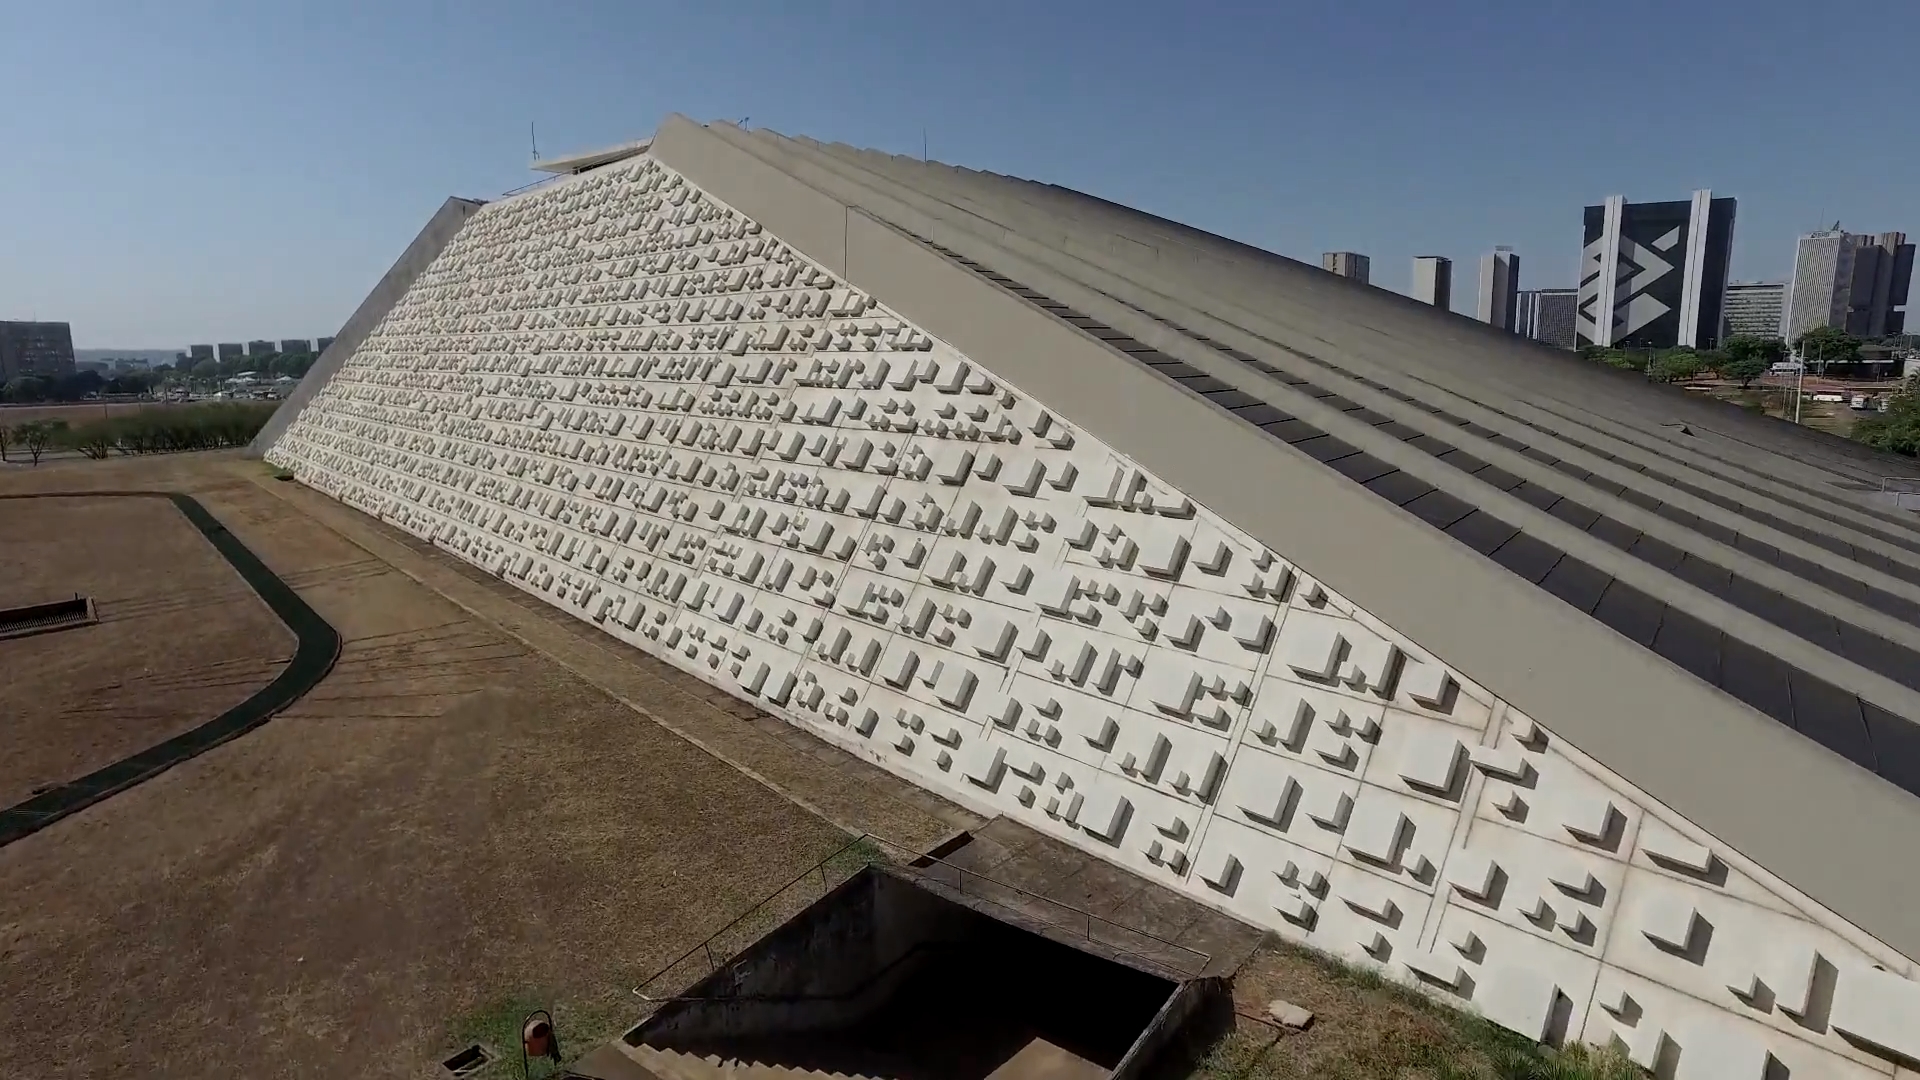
{"x": 318, "y": 646}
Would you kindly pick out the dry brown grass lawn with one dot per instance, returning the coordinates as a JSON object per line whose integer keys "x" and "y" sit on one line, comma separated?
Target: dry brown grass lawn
{"x": 446, "y": 822}
{"x": 72, "y": 412}
{"x": 1368, "y": 1028}
{"x": 181, "y": 638}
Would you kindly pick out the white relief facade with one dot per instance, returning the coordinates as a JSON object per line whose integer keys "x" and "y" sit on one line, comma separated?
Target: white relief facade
{"x": 631, "y": 401}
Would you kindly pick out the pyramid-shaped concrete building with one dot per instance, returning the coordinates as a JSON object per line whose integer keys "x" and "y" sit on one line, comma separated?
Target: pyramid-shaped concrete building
{"x": 1578, "y": 701}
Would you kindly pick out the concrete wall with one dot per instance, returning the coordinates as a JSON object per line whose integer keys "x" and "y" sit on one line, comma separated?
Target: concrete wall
{"x": 844, "y": 958}
{"x": 442, "y": 227}
{"x": 942, "y": 566}
{"x": 828, "y": 967}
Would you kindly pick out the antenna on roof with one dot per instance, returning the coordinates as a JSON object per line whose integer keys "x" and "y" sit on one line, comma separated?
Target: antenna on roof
{"x": 743, "y": 121}
{"x": 534, "y": 139}
{"x": 923, "y": 146}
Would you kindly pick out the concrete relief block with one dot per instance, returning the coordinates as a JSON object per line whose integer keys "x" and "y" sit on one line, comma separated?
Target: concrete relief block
{"x": 1878, "y": 1011}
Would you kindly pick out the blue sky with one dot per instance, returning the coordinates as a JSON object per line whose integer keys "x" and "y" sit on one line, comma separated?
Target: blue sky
{"x": 198, "y": 170}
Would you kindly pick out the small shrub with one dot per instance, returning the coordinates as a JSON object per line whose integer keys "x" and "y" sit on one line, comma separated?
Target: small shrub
{"x": 173, "y": 429}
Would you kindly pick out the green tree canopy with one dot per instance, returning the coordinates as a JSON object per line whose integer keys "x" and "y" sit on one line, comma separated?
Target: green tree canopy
{"x": 1825, "y": 345}
{"x": 1897, "y": 430}
{"x": 25, "y": 388}
{"x": 1674, "y": 365}
{"x": 1743, "y": 370}
{"x": 1768, "y": 351}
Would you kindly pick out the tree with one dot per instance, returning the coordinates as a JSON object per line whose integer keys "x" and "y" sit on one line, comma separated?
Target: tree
{"x": 1897, "y": 431}
{"x": 1743, "y": 370}
{"x": 1675, "y": 365}
{"x": 1824, "y": 345}
{"x": 1747, "y": 347}
{"x": 36, "y": 436}
{"x": 207, "y": 370}
{"x": 25, "y": 388}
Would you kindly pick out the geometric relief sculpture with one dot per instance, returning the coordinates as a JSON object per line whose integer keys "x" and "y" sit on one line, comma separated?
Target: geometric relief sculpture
{"x": 628, "y": 399}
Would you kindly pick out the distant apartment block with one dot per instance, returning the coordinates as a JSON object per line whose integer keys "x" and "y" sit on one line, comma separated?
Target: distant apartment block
{"x": 1755, "y": 309}
{"x": 1433, "y": 281}
{"x": 320, "y": 345}
{"x": 295, "y": 346}
{"x": 1654, "y": 275}
{"x": 1499, "y": 288}
{"x": 260, "y": 347}
{"x": 1547, "y": 316}
{"x": 200, "y": 352}
{"x": 1347, "y": 264}
{"x": 1852, "y": 282}
{"x": 230, "y": 350}
{"x": 43, "y": 349}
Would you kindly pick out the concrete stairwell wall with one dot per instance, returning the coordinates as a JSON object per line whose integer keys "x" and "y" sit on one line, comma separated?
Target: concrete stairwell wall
{"x": 829, "y": 967}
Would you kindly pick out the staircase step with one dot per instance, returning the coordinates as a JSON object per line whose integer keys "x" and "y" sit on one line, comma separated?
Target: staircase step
{"x": 608, "y": 1063}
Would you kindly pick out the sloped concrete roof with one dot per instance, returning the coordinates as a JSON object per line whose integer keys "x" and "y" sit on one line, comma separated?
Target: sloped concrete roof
{"x": 1705, "y": 600}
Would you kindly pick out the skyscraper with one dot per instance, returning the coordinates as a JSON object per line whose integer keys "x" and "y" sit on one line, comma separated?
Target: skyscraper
{"x": 1546, "y": 316}
{"x": 1755, "y": 309}
{"x": 43, "y": 349}
{"x": 1655, "y": 274}
{"x": 1433, "y": 281}
{"x": 1852, "y": 282}
{"x": 1499, "y": 288}
{"x": 1347, "y": 264}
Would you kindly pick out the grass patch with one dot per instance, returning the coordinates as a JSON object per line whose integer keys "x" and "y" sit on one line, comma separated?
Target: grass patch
{"x": 1370, "y": 1027}
{"x": 852, "y": 859}
{"x": 582, "y": 1027}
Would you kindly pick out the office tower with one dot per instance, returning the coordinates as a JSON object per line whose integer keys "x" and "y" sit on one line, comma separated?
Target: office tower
{"x": 259, "y": 347}
{"x": 320, "y": 345}
{"x": 231, "y": 350}
{"x": 1499, "y": 288}
{"x": 1433, "y": 281}
{"x": 200, "y": 352}
{"x": 1546, "y": 316}
{"x": 1526, "y": 311}
{"x": 43, "y": 349}
{"x": 295, "y": 346}
{"x": 1755, "y": 309}
{"x": 1346, "y": 264}
{"x": 1851, "y": 282}
{"x": 1654, "y": 275}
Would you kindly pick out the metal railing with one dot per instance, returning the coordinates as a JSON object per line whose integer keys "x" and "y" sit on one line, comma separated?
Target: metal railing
{"x": 810, "y": 885}
{"x": 1904, "y": 497}
{"x": 800, "y": 892}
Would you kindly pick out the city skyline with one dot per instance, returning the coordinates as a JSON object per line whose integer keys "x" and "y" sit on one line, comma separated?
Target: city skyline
{"x": 1047, "y": 93}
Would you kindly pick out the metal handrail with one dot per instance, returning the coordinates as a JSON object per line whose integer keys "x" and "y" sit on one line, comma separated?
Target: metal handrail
{"x": 707, "y": 942}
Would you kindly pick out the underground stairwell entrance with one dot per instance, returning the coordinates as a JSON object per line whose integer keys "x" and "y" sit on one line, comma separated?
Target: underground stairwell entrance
{"x": 893, "y": 975}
